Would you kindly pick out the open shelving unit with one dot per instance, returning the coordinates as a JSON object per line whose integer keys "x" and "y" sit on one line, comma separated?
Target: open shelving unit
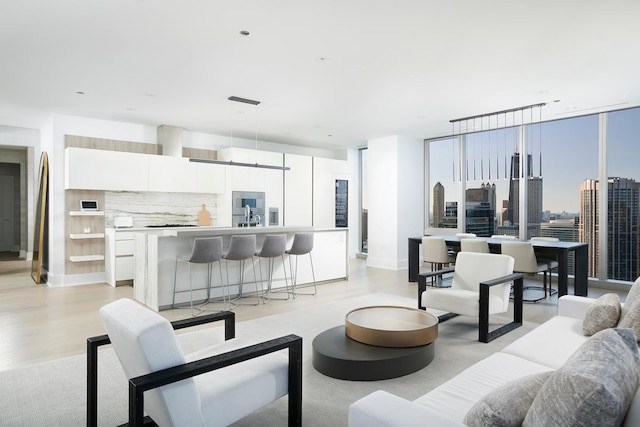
{"x": 86, "y": 258}
{"x": 84, "y": 232}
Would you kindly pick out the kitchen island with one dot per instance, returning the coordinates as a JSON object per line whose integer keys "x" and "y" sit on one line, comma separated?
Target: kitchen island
{"x": 155, "y": 252}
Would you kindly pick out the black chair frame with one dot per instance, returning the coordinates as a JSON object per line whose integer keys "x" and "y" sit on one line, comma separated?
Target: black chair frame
{"x": 484, "y": 335}
{"x": 138, "y": 385}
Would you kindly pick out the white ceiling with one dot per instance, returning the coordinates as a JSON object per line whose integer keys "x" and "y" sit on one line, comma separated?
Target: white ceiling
{"x": 328, "y": 73}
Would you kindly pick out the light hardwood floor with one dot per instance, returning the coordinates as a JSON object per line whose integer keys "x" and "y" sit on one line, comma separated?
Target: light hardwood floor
{"x": 41, "y": 323}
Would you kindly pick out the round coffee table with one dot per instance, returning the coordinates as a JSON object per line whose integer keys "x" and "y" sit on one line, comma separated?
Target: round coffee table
{"x": 376, "y": 343}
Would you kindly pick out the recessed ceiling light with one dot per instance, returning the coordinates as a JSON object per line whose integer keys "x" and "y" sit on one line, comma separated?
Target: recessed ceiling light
{"x": 329, "y": 135}
{"x": 556, "y": 100}
{"x": 80, "y": 93}
{"x": 322, "y": 59}
{"x": 244, "y": 33}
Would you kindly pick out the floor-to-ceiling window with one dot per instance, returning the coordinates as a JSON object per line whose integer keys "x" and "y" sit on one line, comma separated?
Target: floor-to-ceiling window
{"x": 623, "y": 194}
{"x": 444, "y": 178}
{"x": 559, "y": 173}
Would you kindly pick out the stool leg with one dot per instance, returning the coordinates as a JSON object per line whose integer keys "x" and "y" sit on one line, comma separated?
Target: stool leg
{"x": 241, "y": 285}
{"x": 271, "y": 267}
{"x": 294, "y": 277}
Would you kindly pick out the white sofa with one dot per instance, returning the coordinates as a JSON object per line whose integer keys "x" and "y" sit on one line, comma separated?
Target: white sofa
{"x": 546, "y": 348}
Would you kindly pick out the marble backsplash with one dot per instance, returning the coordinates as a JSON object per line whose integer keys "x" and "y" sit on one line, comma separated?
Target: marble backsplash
{"x": 148, "y": 208}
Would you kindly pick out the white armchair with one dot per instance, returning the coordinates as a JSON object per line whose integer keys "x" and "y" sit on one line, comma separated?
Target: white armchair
{"x": 221, "y": 385}
{"x": 480, "y": 287}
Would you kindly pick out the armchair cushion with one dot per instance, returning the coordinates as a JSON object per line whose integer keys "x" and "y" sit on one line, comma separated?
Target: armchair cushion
{"x": 594, "y": 387}
{"x": 255, "y": 383}
{"x": 145, "y": 342}
{"x": 602, "y": 314}
{"x": 471, "y": 269}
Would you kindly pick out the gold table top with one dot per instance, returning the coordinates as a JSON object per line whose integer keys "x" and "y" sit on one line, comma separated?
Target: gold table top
{"x": 391, "y": 326}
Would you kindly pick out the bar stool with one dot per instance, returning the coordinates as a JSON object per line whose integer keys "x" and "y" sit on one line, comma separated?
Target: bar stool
{"x": 242, "y": 248}
{"x": 274, "y": 246}
{"x": 302, "y": 245}
{"x": 204, "y": 251}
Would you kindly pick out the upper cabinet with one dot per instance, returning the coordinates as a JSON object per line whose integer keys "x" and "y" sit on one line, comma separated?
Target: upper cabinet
{"x": 210, "y": 178}
{"x": 87, "y": 169}
{"x": 172, "y": 174}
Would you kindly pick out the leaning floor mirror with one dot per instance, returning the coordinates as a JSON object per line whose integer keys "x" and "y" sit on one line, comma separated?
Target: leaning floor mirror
{"x": 40, "y": 229}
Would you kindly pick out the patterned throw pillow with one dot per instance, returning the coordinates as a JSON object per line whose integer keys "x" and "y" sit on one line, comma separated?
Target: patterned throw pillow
{"x": 594, "y": 387}
{"x": 508, "y": 404}
{"x": 630, "y": 317}
{"x": 602, "y": 314}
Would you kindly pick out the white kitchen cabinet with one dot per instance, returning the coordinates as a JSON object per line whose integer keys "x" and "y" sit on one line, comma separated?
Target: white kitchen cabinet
{"x": 172, "y": 174}
{"x": 298, "y": 191}
{"x": 210, "y": 178}
{"x": 119, "y": 259}
{"x": 87, "y": 169}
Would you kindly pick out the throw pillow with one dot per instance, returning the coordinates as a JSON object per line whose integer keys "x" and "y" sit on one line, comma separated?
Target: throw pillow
{"x": 594, "y": 387}
{"x": 632, "y": 296}
{"x": 508, "y": 404}
{"x": 630, "y": 317}
{"x": 602, "y": 314}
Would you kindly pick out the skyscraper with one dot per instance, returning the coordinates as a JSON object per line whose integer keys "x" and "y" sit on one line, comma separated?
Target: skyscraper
{"x": 438, "y": 204}
{"x": 534, "y": 198}
{"x": 480, "y": 206}
{"x": 622, "y": 243}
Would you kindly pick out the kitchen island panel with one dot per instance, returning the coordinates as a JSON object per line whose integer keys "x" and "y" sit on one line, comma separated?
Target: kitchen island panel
{"x": 156, "y": 252}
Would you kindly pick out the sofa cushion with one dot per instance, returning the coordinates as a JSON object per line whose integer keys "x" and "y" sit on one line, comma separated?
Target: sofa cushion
{"x": 602, "y": 314}
{"x": 454, "y": 398}
{"x": 594, "y": 387}
{"x": 551, "y": 343}
{"x": 508, "y": 404}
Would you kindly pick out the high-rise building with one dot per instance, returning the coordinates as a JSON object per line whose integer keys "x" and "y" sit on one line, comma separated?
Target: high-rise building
{"x": 438, "y": 204}
{"x": 566, "y": 230}
{"x": 534, "y": 198}
{"x": 480, "y": 211}
{"x": 622, "y": 243}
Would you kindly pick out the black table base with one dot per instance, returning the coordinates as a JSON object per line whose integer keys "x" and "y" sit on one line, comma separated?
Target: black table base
{"x": 338, "y": 356}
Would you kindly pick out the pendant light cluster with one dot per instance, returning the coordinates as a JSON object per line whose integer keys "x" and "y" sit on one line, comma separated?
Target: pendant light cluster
{"x": 492, "y": 141}
{"x": 231, "y": 162}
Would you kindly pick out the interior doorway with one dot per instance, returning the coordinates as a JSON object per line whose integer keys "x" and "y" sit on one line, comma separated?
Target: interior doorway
{"x": 9, "y": 221}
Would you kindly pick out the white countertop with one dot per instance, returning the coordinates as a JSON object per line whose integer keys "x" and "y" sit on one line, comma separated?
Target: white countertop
{"x": 212, "y": 230}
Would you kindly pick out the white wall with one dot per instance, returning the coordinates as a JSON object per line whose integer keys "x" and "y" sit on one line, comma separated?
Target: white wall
{"x": 395, "y": 199}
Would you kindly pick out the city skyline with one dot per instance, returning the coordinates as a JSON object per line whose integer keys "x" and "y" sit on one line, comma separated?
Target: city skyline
{"x": 568, "y": 150}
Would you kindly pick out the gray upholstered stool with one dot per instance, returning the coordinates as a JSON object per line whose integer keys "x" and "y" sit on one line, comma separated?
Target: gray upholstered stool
{"x": 204, "y": 251}
{"x": 242, "y": 248}
{"x": 302, "y": 245}
{"x": 274, "y": 246}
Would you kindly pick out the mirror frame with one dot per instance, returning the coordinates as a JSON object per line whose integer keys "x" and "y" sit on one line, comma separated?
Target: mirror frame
{"x": 40, "y": 229}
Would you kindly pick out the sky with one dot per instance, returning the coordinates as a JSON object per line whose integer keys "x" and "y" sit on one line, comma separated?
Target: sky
{"x": 569, "y": 150}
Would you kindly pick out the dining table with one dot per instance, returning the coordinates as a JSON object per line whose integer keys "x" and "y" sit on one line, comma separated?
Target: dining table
{"x": 558, "y": 250}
